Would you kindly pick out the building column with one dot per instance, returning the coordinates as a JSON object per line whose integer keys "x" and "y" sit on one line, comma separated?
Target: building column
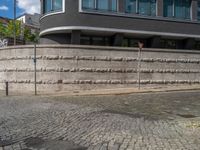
{"x": 118, "y": 39}
{"x": 160, "y": 8}
{"x": 121, "y": 6}
{"x": 194, "y": 7}
{"x": 42, "y": 7}
{"x": 76, "y": 37}
{"x": 189, "y": 43}
{"x": 154, "y": 42}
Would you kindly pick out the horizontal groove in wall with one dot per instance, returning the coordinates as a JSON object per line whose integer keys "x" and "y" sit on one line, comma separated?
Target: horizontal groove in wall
{"x": 102, "y": 58}
{"x": 102, "y": 70}
{"x": 105, "y": 82}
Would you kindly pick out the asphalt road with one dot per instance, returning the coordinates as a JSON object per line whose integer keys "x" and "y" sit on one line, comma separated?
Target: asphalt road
{"x": 124, "y": 122}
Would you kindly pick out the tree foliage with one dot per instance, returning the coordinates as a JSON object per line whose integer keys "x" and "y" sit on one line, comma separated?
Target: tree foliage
{"x": 2, "y": 30}
{"x": 22, "y": 32}
{"x": 30, "y": 37}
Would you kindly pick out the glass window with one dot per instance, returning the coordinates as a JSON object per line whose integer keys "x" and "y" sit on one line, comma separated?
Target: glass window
{"x": 177, "y": 8}
{"x": 182, "y": 9}
{"x": 130, "y": 6}
{"x": 168, "y": 8}
{"x": 105, "y": 5}
{"x": 188, "y": 9}
{"x": 95, "y": 40}
{"x": 198, "y": 10}
{"x": 143, "y": 7}
{"x": 166, "y": 43}
{"x": 153, "y": 7}
{"x": 88, "y": 4}
{"x": 47, "y": 6}
{"x": 114, "y": 5}
{"x": 102, "y": 5}
{"x": 57, "y": 5}
{"x": 52, "y": 5}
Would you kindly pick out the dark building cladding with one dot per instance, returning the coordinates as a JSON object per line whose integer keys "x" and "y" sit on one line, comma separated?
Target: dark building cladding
{"x": 158, "y": 23}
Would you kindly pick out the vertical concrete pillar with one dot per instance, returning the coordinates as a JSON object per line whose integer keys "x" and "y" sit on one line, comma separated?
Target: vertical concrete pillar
{"x": 194, "y": 7}
{"x": 76, "y": 37}
{"x": 118, "y": 39}
{"x": 154, "y": 42}
{"x": 121, "y": 6}
{"x": 160, "y": 6}
{"x": 189, "y": 43}
{"x": 42, "y": 7}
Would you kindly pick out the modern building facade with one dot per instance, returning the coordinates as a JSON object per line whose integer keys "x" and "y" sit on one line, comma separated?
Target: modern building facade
{"x": 158, "y": 23}
{"x": 30, "y": 20}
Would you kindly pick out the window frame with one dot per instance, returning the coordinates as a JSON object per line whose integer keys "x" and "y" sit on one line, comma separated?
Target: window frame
{"x": 81, "y": 8}
{"x": 198, "y": 10}
{"x": 135, "y": 15}
{"x": 174, "y": 12}
{"x": 137, "y": 8}
{"x": 52, "y": 12}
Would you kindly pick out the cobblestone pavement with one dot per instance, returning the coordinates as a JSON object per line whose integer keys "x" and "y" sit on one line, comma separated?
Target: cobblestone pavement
{"x": 154, "y": 121}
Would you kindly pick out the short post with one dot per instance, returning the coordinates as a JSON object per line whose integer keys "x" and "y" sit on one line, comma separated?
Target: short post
{"x": 6, "y": 88}
{"x": 140, "y": 44}
{"x": 35, "y": 71}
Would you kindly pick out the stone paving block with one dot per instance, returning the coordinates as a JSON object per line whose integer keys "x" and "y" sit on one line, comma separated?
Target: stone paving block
{"x": 87, "y": 122}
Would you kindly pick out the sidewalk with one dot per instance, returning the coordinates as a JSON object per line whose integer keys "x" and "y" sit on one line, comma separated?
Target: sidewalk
{"x": 117, "y": 91}
{"x": 122, "y": 91}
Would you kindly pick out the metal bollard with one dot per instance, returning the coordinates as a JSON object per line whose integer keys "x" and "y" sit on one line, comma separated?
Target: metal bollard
{"x": 6, "y": 88}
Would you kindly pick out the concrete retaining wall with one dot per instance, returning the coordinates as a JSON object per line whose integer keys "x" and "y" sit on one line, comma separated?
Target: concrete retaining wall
{"x": 67, "y": 67}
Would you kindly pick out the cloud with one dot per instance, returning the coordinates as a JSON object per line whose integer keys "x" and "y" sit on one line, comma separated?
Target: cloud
{"x": 29, "y": 6}
{"x": 3, "y": 7}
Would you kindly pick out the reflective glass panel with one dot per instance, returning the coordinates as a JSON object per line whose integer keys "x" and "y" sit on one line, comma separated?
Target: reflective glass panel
{"x": 88, "y": 4}
{"x": 57, "y": 5}
{"x": 198, "y": 10}
{"x": 114, "y": 5}
{"x": 47, "y": 6}
{"x": 102, "y": 5}
{"x": 182, "y": 9}
{"x": 153, "y": 7}
{"x": 130, "y": 6}
{"x": 144, "y": 7}
{"x": 168, "y": 8}
{"x": 188, "y": 9}
{"x": 147, "y": 7}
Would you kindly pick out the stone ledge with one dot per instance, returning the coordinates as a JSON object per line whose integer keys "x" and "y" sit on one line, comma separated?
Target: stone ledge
{"x": 104, "y": 82}
{"x": 102, "y": 48}
{"x": 102, "y": 70}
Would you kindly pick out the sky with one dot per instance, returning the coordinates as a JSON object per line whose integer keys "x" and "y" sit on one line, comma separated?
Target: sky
{"x": 23, "y": 6}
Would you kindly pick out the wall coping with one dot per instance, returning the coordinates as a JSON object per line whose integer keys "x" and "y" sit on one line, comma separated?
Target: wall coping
{"x": 102, "y": 48}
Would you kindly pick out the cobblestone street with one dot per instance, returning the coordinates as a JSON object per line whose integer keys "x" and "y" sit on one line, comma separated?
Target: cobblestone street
{"x": 153, "y": 121}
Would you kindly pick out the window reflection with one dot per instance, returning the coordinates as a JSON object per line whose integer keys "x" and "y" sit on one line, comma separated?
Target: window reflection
{"x": 142, "y": 7}
{"x": 104, "y": 5}
{"x": 198, "y": 11}
{"x": 177, "y": 8}
{"x": 130, "y": 6}
{"x": 57, "y": 4}
{"x": 88, "y": 4}
{"x": 52, "y": 6}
